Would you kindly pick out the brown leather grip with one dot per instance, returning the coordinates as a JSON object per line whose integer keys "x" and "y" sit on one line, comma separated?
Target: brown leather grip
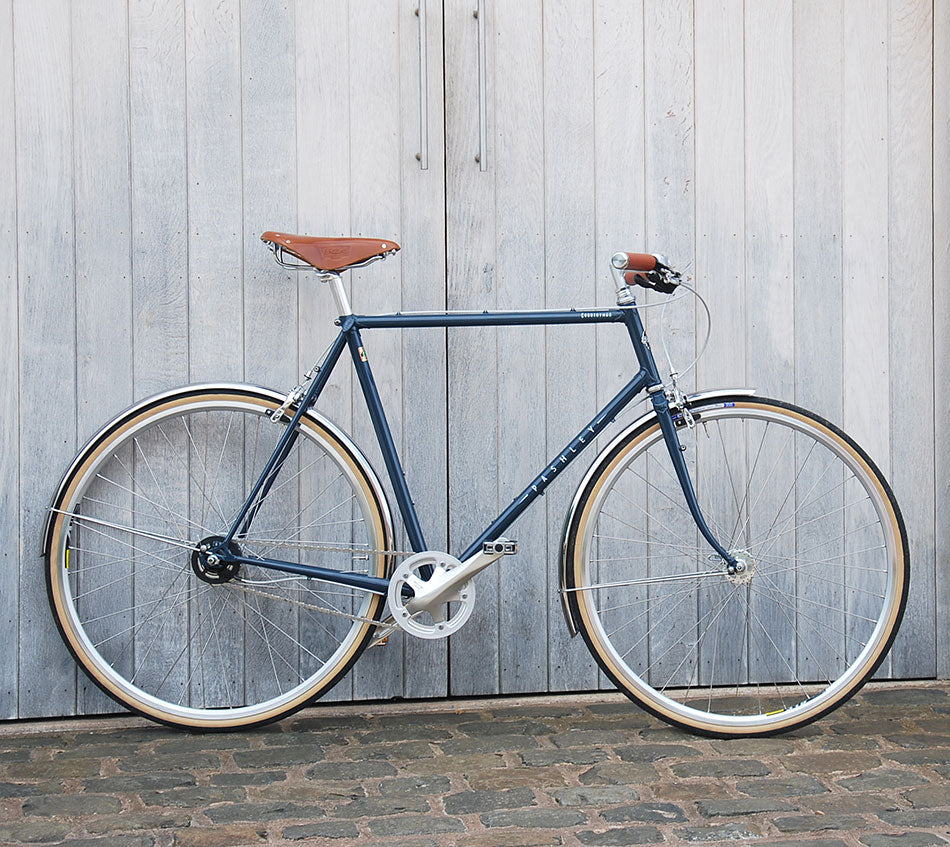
{"x": 640, "y": 261}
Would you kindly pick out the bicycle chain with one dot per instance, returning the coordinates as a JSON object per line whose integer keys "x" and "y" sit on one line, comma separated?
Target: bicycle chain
{"x": 301, "y": 603}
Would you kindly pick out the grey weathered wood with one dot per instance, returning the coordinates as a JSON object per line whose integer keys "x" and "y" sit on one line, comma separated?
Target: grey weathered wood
{"x": 916, "y": 282}
{"x": 214, "y": 167}
{"x": 375, "y": 186}
{"x": 864, "y": 185}
{"x": 941, "y": 295}
{"x": 669, "y": 165}
{"x": 269, "y": 191}
{"x": 669, "y": 187}
{"x": 621, "y": 203}
{"x": 9, "y": 375}
{"x": 817, "y": 171}
{"x": 769, "y": 207}
{"x": 46, "y": 287}
{"x": 159, "y": 156}
{"x": 473, "y": 368}
{"x": 769, "y": 268}
{"x": 268, "y": 169}
{"x": 159, "y": 195}
{"x": 720, "y": 249}
{"x": 422, "y": 263}
{"x": 321, "y": 90}
{"x": 103, "y": 233}
{"x": 570, "y": 268}
{"x": 864, "y": 168}
{"x": 518, "y": 183}
{"x": 818, "y": 227}
{"x": 790, "y": 158}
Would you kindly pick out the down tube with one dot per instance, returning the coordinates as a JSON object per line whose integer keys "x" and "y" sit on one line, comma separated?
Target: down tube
{"x": 577, "y": 445}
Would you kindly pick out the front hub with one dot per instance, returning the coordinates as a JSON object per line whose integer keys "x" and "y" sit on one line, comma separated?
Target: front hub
{"x": 744, "y": 567}
{"x": 211, "y": 560}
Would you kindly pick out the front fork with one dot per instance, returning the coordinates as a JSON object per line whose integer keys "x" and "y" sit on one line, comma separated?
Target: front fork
{"x": 676, "y": 449}
{"x": 665, "y": 416}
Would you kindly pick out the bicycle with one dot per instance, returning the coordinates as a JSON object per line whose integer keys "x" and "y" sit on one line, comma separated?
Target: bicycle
{"x": 218, "y": 556}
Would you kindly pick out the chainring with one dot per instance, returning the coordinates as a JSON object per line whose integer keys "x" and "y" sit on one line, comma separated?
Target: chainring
{"x": 437, "y": 620}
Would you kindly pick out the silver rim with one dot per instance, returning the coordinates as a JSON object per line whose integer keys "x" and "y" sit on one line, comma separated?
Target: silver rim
{"x": 781, "y": 642}
{"x": 167, "y": 641}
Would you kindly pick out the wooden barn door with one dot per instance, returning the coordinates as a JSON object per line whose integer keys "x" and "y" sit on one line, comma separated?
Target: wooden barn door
{"x": 540, "y": 132}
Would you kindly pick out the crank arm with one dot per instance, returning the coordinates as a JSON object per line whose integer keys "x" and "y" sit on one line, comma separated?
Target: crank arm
{"x": 443, "y": 587}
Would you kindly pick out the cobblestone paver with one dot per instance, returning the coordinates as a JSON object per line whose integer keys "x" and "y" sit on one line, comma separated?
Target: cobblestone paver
{"x": 567, "y": 771}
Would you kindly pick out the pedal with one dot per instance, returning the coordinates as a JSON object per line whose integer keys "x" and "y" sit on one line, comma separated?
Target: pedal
{"x": 500, "y": 547}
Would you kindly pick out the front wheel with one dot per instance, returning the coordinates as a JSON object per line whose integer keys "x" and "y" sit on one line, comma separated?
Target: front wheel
{"x": 789, "y": 636}
{"x": 153, "y": 619}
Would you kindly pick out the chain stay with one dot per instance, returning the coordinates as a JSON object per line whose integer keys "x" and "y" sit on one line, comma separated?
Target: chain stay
{"x": 329, "y": 548}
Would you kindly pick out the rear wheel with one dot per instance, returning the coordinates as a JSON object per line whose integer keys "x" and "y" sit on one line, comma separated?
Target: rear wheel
{"x": 163, "y": 626}
{"x": 807, "y": 618}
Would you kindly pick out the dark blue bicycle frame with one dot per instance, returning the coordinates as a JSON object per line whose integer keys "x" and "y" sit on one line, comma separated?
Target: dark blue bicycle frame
{"x": 647, "y": 378}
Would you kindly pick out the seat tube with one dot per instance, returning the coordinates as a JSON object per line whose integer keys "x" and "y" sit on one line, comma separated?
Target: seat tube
{"x": 385, "y": 438}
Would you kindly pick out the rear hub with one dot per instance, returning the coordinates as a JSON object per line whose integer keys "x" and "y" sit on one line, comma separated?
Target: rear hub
{"x": 211, "y": 560}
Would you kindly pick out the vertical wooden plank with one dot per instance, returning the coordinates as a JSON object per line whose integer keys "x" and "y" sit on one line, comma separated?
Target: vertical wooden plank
{"x": 620, "y": 209}
{"x": 865, "y": 305}
{"x": 519, "y": 268}
{"x": 215, "y": 283}
{"x": 669, "y": 166}
{"x": 817, "y": 117}
{"x": 159, "y": 235}
{"x": 720, "y": 254}
{"x": 940, "y": 159}
{"x": 268, "y": 162}
{"x": 570, "y": 271}
{"x": 269, "y": 159}
{"x": 720, "y": 182}
{"x": 103, "y": 237}
{"x": 215, "y": 271}
{"x": 620, "y": 188}
{"x": 914, "y": 281}
{"x": 375, "y": 212}
{"x": 769, "y": 210}
{"x": 323, "y": 167}
{"x": 159, "y": 195}
{"x": 9, "y": 382}
{"x": 670, "y": 210}
{"x": 47, "y": 330}
{"x": 864, "y": 226}
{"x": 473, "y": 368}
{"x": 769, "y": 214}
{"x": 425, "y": 398}
{"x": 818, "y": 104}
{"x": 323, "y": 191}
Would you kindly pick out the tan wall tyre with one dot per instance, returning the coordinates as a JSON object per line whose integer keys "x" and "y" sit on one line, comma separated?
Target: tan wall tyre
{"x": 146, "y": 617}
{"x": 815, "y": 608}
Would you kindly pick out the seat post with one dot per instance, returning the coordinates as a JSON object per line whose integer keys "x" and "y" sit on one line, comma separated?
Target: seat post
{"x": 339, "y": 292}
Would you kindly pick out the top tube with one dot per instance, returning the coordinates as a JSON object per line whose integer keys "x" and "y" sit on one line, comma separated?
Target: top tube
{"x": 550, "y": 317}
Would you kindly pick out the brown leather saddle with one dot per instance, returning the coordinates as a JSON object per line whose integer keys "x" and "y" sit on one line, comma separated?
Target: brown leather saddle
{"x": 331, "y": 254}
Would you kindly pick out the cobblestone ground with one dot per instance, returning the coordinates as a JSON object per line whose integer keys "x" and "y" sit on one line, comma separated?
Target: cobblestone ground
{"x": 573, "y": 770}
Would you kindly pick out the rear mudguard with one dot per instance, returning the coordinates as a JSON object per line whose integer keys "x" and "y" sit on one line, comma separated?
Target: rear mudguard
{"x": 596, "y": 468}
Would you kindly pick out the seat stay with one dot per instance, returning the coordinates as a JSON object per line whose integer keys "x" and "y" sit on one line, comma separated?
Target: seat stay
{"x": 242, "y": 522}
